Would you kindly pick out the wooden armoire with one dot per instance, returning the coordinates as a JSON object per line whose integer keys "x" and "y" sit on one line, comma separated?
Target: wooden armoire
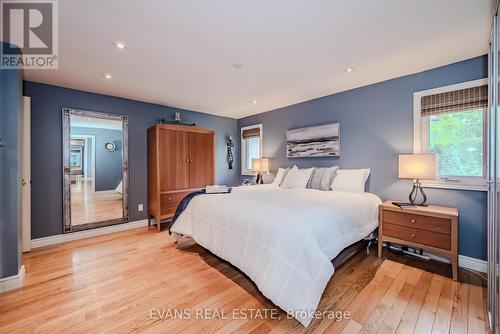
{"x": 180, "y": 160}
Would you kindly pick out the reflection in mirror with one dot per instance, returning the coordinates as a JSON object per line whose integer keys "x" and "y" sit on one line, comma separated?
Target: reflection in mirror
{"x": 96, "y": 170}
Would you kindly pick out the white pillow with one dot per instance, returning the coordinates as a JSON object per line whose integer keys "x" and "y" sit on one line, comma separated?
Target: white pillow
{"x": 297, "y": 178}
{"x": 351, "y": 180}
{"x": 280, "y": 175}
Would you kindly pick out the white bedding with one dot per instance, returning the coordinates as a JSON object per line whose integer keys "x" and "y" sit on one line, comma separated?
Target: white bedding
{"x": 283, "y": 239}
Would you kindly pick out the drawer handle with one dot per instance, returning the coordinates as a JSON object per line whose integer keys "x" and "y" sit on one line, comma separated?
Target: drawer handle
{"x": 168, "y": 199}
{"x": 413, "y": 235}
{"x": 413, "y": 221}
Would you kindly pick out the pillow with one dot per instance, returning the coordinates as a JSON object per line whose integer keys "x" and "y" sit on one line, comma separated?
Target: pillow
{"x": 280, "y": 175}
{"x": 322, "y": 178}
{"x": 351, "y": 180}
{"x": 297, "y": 178}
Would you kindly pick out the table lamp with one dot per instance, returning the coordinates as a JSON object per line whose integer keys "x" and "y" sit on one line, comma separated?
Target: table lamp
{"x": 260, "y": 166}
{"x": 417, "y": 167}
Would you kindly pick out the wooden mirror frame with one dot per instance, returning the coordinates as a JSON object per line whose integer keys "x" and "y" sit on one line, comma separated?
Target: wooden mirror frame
{"x": 66, "y": 170}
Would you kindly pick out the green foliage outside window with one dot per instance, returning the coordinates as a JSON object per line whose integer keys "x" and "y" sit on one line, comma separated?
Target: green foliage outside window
{"x": 457, "y": 138}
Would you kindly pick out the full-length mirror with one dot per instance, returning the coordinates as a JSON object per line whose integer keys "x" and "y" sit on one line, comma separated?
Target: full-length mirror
{"x": 95, "y": 169}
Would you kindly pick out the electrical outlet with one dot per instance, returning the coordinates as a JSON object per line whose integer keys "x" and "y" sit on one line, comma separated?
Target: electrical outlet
{"x": 140, "y": 207}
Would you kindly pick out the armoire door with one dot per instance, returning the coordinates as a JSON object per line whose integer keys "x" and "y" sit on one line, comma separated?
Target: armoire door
{"x": 201, "y": 160}
{"x": 173, "y": 160}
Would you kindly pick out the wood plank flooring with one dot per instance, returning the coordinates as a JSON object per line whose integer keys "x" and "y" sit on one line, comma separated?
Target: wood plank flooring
{"x": 88, "y": 206}
{"x": 120, "y": 283}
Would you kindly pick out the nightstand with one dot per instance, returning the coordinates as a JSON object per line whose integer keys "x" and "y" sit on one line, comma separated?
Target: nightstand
{"x": 433, "y": 228}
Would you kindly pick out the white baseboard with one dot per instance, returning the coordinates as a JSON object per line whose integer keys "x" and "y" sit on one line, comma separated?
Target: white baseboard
{"x": 60, "y": 238}
{"x": 463, "y": 261}
{"x": 472, "y": 263}
{"x": 12, "y": 282}
{"x": 104, "y": 192}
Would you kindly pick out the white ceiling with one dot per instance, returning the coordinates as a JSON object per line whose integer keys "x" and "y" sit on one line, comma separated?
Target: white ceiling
{"x": 180, "y": 52}
{"x": 95, "y": 123}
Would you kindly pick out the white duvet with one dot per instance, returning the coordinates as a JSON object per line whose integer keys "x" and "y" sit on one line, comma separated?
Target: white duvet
{"x": 283, "y": 239}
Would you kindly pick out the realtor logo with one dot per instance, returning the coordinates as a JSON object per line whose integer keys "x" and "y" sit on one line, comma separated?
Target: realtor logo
{"x": 30, "y": 31}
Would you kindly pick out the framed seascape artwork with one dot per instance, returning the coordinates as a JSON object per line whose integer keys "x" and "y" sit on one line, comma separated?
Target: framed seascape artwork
{"x": 314, "y": 141}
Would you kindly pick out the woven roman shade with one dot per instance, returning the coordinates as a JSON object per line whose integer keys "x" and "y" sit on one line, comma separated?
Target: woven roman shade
{"x": 251, "y": 133}
{"x": 457, "y": 100}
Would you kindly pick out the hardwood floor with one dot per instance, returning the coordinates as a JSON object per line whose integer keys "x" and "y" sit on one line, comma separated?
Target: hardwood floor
{"x": 117, "y": 284}
{"x": 88, "y": 206}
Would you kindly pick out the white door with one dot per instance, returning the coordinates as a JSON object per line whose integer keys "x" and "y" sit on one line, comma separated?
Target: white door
{"x": 26, "y": 174}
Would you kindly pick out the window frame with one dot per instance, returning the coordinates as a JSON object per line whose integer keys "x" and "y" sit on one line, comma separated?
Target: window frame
{"x": 421, "y": 141}
{"x": 243, "y": 149}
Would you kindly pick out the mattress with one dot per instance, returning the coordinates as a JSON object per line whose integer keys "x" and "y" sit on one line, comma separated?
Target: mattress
{"x": 283, "y": 239}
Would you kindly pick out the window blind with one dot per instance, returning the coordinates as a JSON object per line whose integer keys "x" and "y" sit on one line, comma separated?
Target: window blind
{"x": 457, "y": 100}
{"x": 251, "y": 133}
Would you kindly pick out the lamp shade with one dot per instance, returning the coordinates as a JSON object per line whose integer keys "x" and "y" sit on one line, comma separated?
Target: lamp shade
{"x": 260, "y": 165}
{"x": 417, "y": 166}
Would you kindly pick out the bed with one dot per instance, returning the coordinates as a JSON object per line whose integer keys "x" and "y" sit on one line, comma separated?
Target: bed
{"x": 283, "y": 239}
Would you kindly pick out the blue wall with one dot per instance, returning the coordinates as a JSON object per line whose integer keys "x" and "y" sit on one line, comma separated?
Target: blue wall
{"x": 10, "y": 172}
{"x": 108, "y": 165}
{"x": 376, "y": 124}
{"x": 46, "y": 147}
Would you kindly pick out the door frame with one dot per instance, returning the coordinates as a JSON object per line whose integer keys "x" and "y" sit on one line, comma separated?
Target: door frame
{"x": 92, "y": 167}
{"x": 26, "y": 174}
{"x": 66, "y": 170}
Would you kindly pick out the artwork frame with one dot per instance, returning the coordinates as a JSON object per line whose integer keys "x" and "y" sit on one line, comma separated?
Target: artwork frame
{"x": 319, "y": 141}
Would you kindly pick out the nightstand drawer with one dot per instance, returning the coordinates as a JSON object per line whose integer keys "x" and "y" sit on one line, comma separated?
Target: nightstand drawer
{"x": 435, "y": 224}
{"x": 433, "y": 239}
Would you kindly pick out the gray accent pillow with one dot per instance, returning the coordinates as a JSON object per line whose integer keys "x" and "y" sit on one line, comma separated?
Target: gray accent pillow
{"x": 322, "y": 178}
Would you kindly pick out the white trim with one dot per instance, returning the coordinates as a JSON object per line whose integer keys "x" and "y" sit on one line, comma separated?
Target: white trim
{"x": 463, "y": 183}
{"x": 26, "y": 174}
{"x": 104, "y": 192}
{"x": 472, "y": 263}
{"x": 442, "y": 184}
{"x": 464, "y": 262}
{"x": 244, "y": 171}
{"x": 60, "y": 238}
{"x": 12, "y": 282}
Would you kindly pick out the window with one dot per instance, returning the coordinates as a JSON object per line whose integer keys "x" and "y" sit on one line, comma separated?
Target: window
{"x": 451, "y": 121}
{"x": 251, "y": 147}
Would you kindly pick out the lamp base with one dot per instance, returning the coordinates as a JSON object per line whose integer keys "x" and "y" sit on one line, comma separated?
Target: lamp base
{"x": 417, "y": 188}
{"x": 259, "y": 179}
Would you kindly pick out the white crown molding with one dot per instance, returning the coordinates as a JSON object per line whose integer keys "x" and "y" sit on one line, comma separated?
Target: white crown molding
{"x": 12, "y": 282}
{"x": 60, "y": 238}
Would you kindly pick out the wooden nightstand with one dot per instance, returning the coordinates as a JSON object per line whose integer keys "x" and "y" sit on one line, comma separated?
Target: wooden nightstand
{"x": 433, "y": 228}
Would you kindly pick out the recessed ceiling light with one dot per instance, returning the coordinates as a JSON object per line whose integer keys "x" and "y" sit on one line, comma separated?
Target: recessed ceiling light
{"x": 107, "y": 76}
{"x": 254, "y": 102}
{"x": 120, "y": 45}
{"x": 237, "y": 65}
{"x": 349, "y": 69}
